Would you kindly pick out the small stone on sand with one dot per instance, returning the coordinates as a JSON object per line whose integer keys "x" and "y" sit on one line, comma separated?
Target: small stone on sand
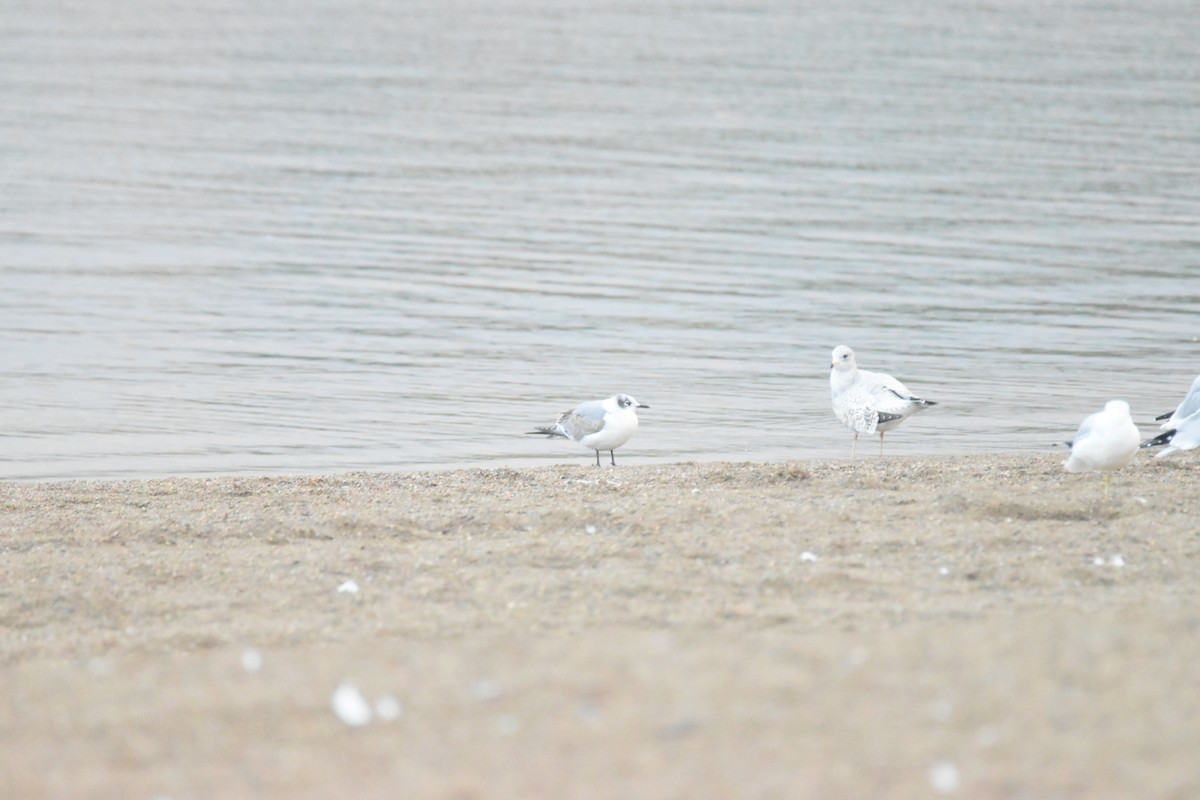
{"x": 350, "y": 705}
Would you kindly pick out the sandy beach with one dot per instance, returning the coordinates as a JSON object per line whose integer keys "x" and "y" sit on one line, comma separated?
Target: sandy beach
{"x": 984, "y": 626}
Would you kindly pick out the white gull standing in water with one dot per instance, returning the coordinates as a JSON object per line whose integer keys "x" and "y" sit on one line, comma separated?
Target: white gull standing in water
{"x": 868, "y": 402}
{"x": 1105, "y": 441}
{"x": 598, "y": 424}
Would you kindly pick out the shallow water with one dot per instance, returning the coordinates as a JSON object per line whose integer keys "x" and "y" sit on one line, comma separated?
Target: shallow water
{"x": 395, "y": 236}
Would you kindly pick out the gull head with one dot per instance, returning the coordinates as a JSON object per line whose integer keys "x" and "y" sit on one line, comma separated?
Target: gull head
{"x": 843, "y": 357}
{"x": 625, "y": 401}
{"x": 1117, "y": 408}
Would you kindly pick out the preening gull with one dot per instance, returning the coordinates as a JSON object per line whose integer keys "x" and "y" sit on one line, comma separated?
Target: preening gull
{"x": 1105, "y": 441}
{"x": 598, "y": 424}
{"x": 868, "y": 402}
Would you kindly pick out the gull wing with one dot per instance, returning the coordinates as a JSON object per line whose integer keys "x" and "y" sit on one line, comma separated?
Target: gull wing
{"x": 856, "y": 408}
{"x": 583, "y": 420}
{"x": 1085, "y": 429}
{"x": 888, "y": 395}
{"x": 1187, "y": 435}
{"x": 1189, "y": 406}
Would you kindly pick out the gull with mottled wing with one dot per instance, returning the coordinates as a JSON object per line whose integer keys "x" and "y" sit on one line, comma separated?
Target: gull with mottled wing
{"x": 869, "y": 402}
{"x": 598, "y": 424}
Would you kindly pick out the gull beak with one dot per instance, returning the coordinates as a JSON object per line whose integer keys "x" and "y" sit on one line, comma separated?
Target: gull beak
{"x": 642, "y": 405}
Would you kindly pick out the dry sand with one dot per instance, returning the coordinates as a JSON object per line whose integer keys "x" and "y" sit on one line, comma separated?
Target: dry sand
{"x": 981, "y": 627}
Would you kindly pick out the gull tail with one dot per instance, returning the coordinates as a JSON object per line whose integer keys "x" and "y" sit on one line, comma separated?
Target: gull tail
{"x": 548, "y": 430}
{"x": 1162, "y": 417}
{"x": 1160, "y": 440}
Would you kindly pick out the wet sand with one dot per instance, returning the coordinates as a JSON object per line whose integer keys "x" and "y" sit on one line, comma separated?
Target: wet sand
{"x": 985, "y": 627}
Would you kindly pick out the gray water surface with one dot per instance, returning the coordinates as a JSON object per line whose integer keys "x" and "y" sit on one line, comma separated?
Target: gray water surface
{"x": 320, "y": 236}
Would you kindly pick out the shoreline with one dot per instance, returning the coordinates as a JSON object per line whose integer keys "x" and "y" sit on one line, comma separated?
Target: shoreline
{"x": 808, "y": 629}
{"x": 563, "y": 459}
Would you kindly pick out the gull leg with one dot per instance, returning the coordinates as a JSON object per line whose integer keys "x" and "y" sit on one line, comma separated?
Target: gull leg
{"x": 597, "y": 458}
{"x": 853, "y": 446}
{"x": 1107, "y": 486}
{"x": 611, "y": 455}
{"x": 881, "y": 442}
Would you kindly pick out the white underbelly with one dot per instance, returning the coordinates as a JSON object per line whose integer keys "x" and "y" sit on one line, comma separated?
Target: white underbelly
{"x": 614, "y": 434}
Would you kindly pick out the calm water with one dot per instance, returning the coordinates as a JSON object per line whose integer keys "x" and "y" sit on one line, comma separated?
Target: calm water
{"x": 320, "y": 236}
